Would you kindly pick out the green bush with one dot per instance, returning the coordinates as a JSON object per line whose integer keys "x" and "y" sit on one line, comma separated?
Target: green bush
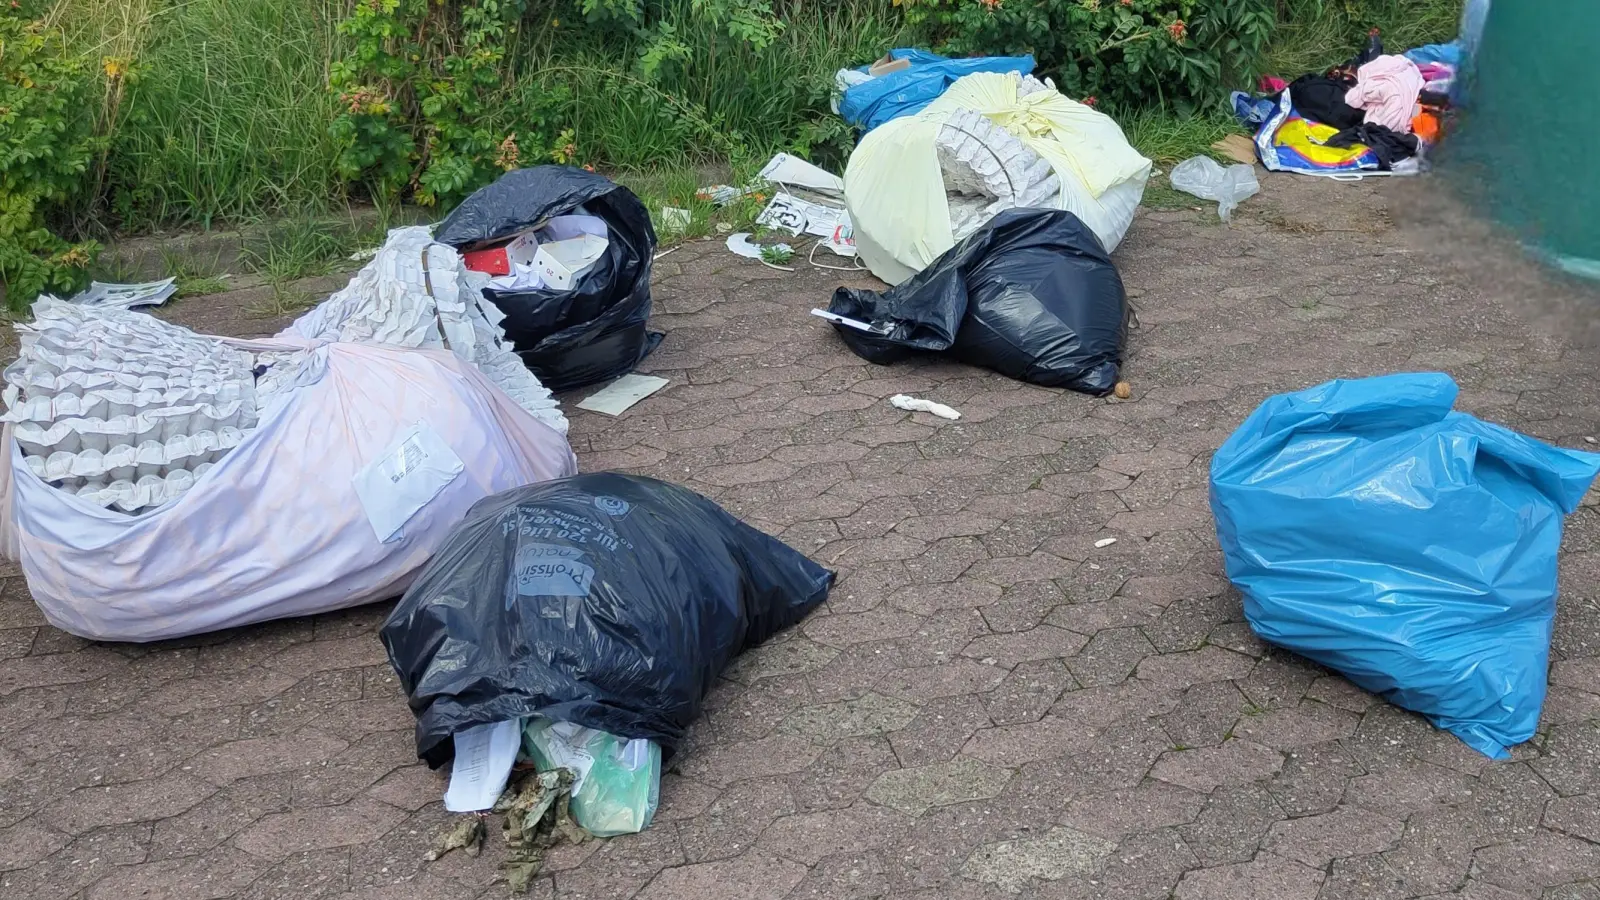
{"x": 46, "y": 145}
{"x": 1131, "y": 54}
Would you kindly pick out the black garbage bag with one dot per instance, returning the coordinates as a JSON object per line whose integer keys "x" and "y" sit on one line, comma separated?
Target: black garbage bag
{"x": 1032, "y": 295}
{"x": 596, "y": 331}
{"x": 607, "y": 600}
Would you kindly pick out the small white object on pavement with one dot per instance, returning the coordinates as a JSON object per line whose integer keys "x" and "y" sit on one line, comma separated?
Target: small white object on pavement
{"x": 617, "y": 397}
{"x": 914, "y": 404}
{"x": 1104, "y": 542}
{"x": 484, "y": 757}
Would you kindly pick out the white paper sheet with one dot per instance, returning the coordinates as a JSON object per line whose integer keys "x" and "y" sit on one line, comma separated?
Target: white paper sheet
{"x": 126, "y": 296}
{"x": 484, "y": 757}
{"x": 615, "y": 398}
{"x": 413, "y": 471}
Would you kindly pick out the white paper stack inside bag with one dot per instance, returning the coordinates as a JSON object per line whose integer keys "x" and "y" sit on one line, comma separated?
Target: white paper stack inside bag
{"x": 123, "y": 409}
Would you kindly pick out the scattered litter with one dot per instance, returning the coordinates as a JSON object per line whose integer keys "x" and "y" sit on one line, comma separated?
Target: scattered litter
{"x": 1122, "y": 391}
{"x": 1205, "y": 178}
{"x": 1238, "y": 148}
{"x": 1339, "y": 512}
{"x": 364, "y": 255}
{"x": 857, "y": 324}
{"x": 464, "y": 833}
{"x": 588, "y": 322}
{"x": 616, "y": 783}
{"x": 668, "y": 251}
{"x": 1033, "y": 296}
{"x": 789, "y": 213}
{"x": 740, "y": 245}
{"x": 482, "y": 765}
{"x": 610, "y": 601}
{"x": 914, "y": 404}
{"x": 792, "y": 171}
{"x": 126, "y": 296}
{"x": 1104, "y": 542}
{"x": 726, "y": 194}
{"x": 537, "y": 817}
{"x": 675, "y": 219}
{"x": 617, "y": 397}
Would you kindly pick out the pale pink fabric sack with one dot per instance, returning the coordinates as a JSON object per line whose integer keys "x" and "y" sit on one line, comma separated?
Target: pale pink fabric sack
{"x": 276, "y": 528}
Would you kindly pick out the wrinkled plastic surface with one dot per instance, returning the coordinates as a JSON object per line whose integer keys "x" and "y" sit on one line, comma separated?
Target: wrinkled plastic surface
{"x": 276, "y": 527}
{"x": 1032, "y": 295}
{"x": 616, "y": 783}
{"x": 1409, "y": 547}
{"x": 895, "y": 189}
{"x": 597, "y": 331}
{"x": 605, "y": 600}
{"x": 1205, "y": 178}
{"x": 909, "y": 91}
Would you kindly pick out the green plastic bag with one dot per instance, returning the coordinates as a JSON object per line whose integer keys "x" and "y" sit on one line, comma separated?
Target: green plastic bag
{"x": 616, "y": 783}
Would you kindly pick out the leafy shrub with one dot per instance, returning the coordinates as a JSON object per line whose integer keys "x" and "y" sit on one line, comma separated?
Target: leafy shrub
{"x": 424, "y": 99}
{"x": 1179, "y": 54}
{"x": 46, "y": 144}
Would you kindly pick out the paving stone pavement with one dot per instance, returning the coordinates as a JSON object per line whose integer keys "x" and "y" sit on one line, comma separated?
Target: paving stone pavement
{"x": 989, "y": 706}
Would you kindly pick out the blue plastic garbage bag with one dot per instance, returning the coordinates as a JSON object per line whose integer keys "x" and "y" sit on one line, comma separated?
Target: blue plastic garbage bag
{"x": 906, "y": 92}
{"x": 1409, "y": 547}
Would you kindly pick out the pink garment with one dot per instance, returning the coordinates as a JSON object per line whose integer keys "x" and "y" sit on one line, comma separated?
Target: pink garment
{"x": 1271, "y": 84}
{"x": 1387, "y": 89}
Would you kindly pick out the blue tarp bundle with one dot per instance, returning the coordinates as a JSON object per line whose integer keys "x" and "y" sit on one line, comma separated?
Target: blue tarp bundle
{"x": 1409, "y": 547}
{"x": 906, "y": 92}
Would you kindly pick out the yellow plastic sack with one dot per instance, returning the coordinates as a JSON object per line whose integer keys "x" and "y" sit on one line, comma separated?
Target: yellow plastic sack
{"x": 896, "y": 194}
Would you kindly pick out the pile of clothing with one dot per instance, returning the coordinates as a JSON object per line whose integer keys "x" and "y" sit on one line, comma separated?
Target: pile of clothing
{"x": 1375, "y": 113}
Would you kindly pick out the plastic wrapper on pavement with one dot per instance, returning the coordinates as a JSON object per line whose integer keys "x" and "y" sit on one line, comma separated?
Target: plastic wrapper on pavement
{"x": 1409, "y": 547}
{"x": 1205, "y": 178}
{"x": 872, "y": 102}
{"x": 608, "y": 601}
{"x": 596, "y": 331}
{"x": 1033, "y": 295}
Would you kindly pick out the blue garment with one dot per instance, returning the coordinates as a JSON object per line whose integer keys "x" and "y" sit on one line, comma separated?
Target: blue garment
{"x": 908, "y": 91}
{"x": 1252, "y": 110}
{"x": 1450, "y": 54}
{"x": 1409, "y": 547}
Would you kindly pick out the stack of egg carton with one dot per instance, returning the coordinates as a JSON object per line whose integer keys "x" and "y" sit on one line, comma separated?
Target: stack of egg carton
{"x": 987, "y": 170}
{"x": 418, "y": 293}
{"x": 122, "y": 409}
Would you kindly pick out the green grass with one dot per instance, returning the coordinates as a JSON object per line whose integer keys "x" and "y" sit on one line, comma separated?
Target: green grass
{"x": 226, "y": 116}
{"x": 225, "y": 120}
{"x": 1315, "y": 34}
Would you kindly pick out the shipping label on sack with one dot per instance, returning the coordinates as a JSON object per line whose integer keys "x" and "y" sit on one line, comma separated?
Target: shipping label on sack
{"x": 404, "y": 478}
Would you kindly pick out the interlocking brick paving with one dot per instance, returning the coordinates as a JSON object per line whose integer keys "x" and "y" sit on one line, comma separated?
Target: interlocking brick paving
{"x": 990, "y": 705}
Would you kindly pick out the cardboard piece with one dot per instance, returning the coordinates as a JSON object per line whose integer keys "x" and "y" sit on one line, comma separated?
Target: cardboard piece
{"x": 562, "y": 263}
{"x": 617, "y": 397}
{"x": 1238, "y": 148}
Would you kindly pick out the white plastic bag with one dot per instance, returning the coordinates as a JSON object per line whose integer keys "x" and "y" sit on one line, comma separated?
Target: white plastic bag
{"x": 276, "y": 527}
{"x": 1205, "y": 178}
{"x": 908, "y": 205}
